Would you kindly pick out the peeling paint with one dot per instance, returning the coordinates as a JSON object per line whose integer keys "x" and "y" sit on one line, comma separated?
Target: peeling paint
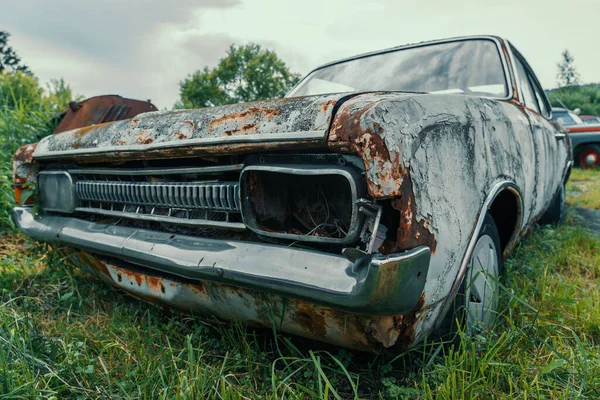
{"x": 438, "y": 156}
{"x": 207, "y": 299}
{"x": 309, "y": 115}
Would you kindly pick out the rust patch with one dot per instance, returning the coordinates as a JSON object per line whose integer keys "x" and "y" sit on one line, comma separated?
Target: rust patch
{"x": 179, "y": 135}
{"x": 143, "y": 138}
{"x": 327, "y": 105}
{"x": 98, "y": 110}
{"x": 188, "y": 127}
{"x": 387, "y": 177}
{"x": 24, "y": 168}
{"x": 311, "y": 320}
{"x": 361, "y": 332}
{"x": 247, "y": 129}
{"x": 265, "y": 113}
{"x": 385, "y": 170}
{"x": 396, "y": 331}
{"x": 79, "y": 132}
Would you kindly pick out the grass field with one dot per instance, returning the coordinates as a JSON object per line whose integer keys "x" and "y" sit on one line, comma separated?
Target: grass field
{"x": 63, "y": 334}
{"x": 584, "y": 189}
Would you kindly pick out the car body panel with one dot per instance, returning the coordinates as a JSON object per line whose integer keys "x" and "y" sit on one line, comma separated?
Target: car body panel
{"x": 434, "y": 165}
{"x": 181, "y": 131}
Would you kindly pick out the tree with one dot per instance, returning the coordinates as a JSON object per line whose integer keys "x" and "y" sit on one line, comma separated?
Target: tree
{"x": 567, "y": 74}
{"x": 247, "y": 73}
{"x": 586, "y": 98}
{"x": 59, "y": 94}
{"x": 18, "y": 89}
{"x": 9, "y": 60}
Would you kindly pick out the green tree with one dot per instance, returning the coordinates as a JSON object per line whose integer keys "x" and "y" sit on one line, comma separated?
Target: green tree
{"x": 59, "y": 94}
{"x": 247, "y": 73}
{"x": 17, "y": 88}
{"x": 567, "y": 74}
{"x": 9, "y": 60}
{"x": 586, "y": 98}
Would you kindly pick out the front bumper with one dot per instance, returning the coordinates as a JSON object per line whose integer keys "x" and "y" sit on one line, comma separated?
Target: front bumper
{"x": 373, "y": 285}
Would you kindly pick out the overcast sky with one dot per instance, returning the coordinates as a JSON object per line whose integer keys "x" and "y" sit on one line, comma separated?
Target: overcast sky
{"x": 143, "y": 49}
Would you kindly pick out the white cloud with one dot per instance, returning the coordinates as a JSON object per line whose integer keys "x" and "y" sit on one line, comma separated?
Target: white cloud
{"x": 143, "y": 49}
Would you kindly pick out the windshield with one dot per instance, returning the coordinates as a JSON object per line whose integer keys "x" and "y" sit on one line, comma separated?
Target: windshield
{"x": 468, "y": 66}
{"x": 567, "y": 118}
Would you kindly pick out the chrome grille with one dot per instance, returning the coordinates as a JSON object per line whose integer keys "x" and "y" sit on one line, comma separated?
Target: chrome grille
{"x": 219, "y": 196}
{"x": 199, "y": 197}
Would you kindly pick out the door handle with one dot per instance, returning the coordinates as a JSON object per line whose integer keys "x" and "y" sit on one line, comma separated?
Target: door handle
{"x": 560, "y": 136}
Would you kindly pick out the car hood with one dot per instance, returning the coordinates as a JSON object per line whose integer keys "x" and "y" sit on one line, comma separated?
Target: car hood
{"x": 303, "y": 119}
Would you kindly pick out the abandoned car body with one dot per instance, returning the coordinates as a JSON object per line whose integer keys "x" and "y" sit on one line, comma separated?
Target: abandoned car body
{"x": 358, "y": 210}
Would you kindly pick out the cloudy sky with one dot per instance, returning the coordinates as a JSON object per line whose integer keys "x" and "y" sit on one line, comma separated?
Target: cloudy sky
{"x": 143, "y": 49}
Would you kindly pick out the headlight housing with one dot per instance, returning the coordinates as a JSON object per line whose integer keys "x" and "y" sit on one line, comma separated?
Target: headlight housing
{"x": 315, "y": 203}
{"x": 57, "y": 191}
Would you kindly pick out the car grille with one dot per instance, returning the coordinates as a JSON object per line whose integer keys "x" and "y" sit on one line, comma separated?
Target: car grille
{"x": 222, "y": 196}
{"x": 192, "y": 196}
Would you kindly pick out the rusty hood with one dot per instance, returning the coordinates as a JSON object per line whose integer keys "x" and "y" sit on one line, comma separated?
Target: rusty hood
{"x": 288, "y": 120}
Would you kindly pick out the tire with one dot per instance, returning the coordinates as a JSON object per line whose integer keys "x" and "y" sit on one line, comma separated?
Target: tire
{"x": 555, "y": 214}
{"x": 476, "y": 303}
{"x": 588, "y": 157}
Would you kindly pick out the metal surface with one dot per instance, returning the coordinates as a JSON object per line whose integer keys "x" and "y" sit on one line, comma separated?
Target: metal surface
{"x": 378, "y": 285}
{"x": 202, "y": 219}
{"x": 220, "y": 196}
{"x": 24, "y": 168}
{"x": 57, "y": 191}
{"x": 101, "y": 109}
{"x": 282, "y": 120}
{"x": 158, "y": 171}
{"x": 294, "y": 316}
{"x": 437, "y": 158}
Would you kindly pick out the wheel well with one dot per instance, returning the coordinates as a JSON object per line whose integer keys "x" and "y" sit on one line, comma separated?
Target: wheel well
{"x": 581, "y": 146}
{"x": 506, "y": 212}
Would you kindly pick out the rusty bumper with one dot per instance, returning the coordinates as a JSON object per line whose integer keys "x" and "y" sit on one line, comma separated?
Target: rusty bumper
{"x": 383, "y": 287}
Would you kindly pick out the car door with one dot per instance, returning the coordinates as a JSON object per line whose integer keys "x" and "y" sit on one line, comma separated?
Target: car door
{"x": 551, "y": 153}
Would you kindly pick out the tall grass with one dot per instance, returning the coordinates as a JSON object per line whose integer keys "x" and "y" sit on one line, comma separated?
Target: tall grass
{"x": 20, "y": 124}
{"x": 584, "y": 188}
{"x": 64, "y": 334}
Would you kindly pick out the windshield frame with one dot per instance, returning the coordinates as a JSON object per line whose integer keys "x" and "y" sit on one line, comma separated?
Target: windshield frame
{"x": 508, "y": 77}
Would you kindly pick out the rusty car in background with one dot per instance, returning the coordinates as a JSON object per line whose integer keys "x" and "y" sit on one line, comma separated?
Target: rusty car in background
{"x": 584, "y": 137}
{"x": 371, "y": 206}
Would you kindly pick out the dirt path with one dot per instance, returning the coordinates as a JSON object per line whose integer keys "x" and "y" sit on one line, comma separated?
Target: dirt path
{"x": 589, "y": 218}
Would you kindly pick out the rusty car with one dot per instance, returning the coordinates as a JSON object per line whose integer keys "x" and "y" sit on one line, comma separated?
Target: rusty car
{"x": 371, "y": 207}
{"x": 584, "y": 137}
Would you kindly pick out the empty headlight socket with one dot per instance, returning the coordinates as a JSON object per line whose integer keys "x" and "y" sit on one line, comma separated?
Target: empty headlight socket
{"x": 303, "y": 202}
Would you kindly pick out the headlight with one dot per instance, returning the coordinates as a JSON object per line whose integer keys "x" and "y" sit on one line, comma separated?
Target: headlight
{"x": 57, "y": 191}
{"x": 302, "y": 203}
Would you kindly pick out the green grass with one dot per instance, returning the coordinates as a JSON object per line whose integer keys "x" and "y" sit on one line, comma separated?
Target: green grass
{"x": 584, "y": 188}
{"x": 64, "y": 334}
{"x": 67, "y": 335}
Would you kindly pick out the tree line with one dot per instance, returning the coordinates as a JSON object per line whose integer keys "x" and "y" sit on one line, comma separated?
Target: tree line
{"x": 246, "y": 73}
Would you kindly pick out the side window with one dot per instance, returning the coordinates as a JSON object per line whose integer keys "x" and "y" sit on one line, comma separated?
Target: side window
{"x": 529, "y": 96}
{"x": 540, "y": 96}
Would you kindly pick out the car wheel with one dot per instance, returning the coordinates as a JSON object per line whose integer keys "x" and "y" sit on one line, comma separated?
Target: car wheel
{"x": 589, "y": 157}
{"x": 555, "y": 214}
{"x": 476, "y": 303}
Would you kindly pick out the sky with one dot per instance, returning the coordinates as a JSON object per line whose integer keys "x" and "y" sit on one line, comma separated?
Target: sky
{"x": 143, "y": 49}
